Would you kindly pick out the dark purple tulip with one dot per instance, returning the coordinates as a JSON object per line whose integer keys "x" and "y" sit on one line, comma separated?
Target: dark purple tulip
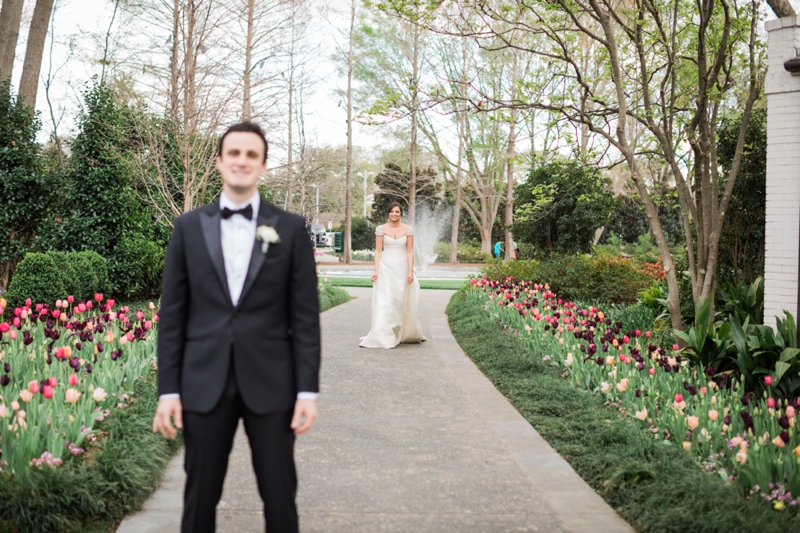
{"x": 83, "y": 336}
{"x": 710, "y": 371}
{"x": 7, "y": 368}
{"x": 100, "y": 347}
{"x": 90, "y": 337}
{"x": 638, "y": 393}
{"x": 785, "y": 437}
{"x": 693, "y": 390}
{"x": 113, "y": 355}
{"x": 784, "y": 422}
{"x": 583, "y": 348}
{"x": 88, "y": 368}
{"x": 5, "y": 380}
{"x": 747, "y": 419}
{"x": 676, "y": 368}
{"x": 605, "y": 347}
{"x": 599, "y": 361}
{"x": 727, "y": 420}
{"x": 685, "y": 385}
{"x": 641, "y": 366}
{"x": 74, "y": 363}
{"x": 546, "y": 328}
{"x": 746, "y": 399}
{"x": 49, "y": 359}
{"x": 678, "y": 358}
{"x": 78, "y": 346}
{"x": 689, "y": 435}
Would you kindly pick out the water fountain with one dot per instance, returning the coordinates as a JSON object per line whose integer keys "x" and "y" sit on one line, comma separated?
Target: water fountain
{"x": 428, "y": 229}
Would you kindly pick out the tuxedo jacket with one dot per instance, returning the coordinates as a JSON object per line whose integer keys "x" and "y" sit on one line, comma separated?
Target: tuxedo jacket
{"x": 272, "y": 334}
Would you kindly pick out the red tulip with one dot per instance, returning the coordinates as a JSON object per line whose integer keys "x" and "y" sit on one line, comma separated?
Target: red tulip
{"x": 47, "y": 391}
{"x": 626, "y": 339}
{"x": 4, "y": 327}
{"x": 70, "y": 298}
{"x": 98, "y": 297}
{"x": 678, "y": 398}
{"x": 60, "y": 354}
{"x": 638, "y": 333}
{"x": 771, "y": 403}
{"x": 73, "y": 379}
{"x": 56, "y": 313}
{"x": 768, "y": 380}
{"x": 28, "y": 302}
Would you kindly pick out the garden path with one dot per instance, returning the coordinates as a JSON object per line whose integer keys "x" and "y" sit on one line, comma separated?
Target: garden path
{"x": 410, "y": 439}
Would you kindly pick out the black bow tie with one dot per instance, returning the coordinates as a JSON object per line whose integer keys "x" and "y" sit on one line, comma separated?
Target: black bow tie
{"x": 246, "y": 212}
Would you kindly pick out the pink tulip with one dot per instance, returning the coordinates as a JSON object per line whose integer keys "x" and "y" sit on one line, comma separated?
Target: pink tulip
{"x": 98, "y": 297}
{"x": 56, "y": 313}
{"x": 768, "y": 380}
{"x": 4, "y": 327}
{"x": 678, "y": 398}
{"x": 64, "y": 304}
{"x": 47, "y": 391}
{"x": 16, "y": 322}
{"x": 139, "y": 315}
{"x": 73, "y": 379}
{"x": 647, "y": 334}
{"x": 704, "y": 390}
{"x": 60, "y": 354}
{"x": 129, "y": 336}
{"x": 652, "y": 371}
{"x": 152, "y": 306}
{"x": 53, "y": 382}
{"x": 638, "y": 333}
{"x": 790, "y": 412}
{"x": 28, "y": 302}
{"x": 89, "y": 305}
{"x": 58, "y": 303}
{"x": 33, "y": 386}
{"x": 771, "y": 403}
{"x": 126, "y": 309}
{"x": 110, "y": 303}
{"x": 676, "y": 347}
{"x": 38, "y": 307}
{"x": 24, "y": 314}
{"x": 72, "y": 395}
{"x": 70, "y": 298}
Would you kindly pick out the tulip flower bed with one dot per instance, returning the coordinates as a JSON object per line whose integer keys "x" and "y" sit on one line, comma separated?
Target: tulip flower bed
{"x": 69, "y": 375}
{"x": 675, "y": 420}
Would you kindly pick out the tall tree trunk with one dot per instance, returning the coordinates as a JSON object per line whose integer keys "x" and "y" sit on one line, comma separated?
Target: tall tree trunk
{"x": 247, "y": 108}
{"x": 189, "y": 119}
{"x": 29, "y": 83}
{"x": 512, "y": 135}
{"x": 290, "y": 147}
{"x": 412, "y": 179}
{"x": 10, "y": 20}
{"x": 174, "y": 64}
{"x": 348, "y": 205}
{"x": 461, "y": 118}
{"x": 782, "y": 8}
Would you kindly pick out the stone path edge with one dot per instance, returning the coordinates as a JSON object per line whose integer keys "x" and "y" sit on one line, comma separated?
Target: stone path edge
{"x": 568, "y": 494}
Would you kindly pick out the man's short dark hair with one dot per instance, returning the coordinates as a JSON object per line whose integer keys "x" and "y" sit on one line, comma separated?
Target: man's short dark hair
{"x": 246, "y": 127}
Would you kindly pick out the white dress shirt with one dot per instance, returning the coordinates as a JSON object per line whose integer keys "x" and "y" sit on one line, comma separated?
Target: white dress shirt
{"x": 237, "y": 235}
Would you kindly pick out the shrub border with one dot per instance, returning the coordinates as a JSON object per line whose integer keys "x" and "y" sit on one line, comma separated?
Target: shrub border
{"x": 655, "y": 487}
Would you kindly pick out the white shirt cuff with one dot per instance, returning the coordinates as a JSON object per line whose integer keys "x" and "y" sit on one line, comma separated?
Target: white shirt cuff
{"x": 307, "y": 395}
{"x": 169, "y": 396}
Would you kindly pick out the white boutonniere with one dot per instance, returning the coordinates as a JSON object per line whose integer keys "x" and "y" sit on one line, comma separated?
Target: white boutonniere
{"x": 267, "y": 235}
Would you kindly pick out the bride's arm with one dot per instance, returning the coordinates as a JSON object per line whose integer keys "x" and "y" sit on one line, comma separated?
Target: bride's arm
{"x": 378, "y": 251}
{"x": 410, "y": 256}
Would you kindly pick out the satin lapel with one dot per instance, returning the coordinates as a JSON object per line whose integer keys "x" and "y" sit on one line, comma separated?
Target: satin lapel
{"x": 266, "y": 217}
{"x": 211, "y": 233}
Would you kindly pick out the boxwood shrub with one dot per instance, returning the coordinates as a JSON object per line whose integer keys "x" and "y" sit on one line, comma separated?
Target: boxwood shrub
{"x": 47, "y": 277}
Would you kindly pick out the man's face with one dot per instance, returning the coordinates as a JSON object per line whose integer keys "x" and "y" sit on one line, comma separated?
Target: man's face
{"x": 242, "y": 160}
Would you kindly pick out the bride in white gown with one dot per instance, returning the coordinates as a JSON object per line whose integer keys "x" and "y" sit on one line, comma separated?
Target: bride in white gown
{"x": 395, "y": 290}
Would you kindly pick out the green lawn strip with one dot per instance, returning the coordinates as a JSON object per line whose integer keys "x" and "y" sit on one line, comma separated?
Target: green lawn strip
{"x": 655, "y": 487}
{"x": 113, "y": 478}
{"x": 445, "y": 284}
{"x": 331, "y": 296}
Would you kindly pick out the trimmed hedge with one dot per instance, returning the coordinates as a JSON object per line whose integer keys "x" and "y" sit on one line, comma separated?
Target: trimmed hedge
{"x": 581, "y": 277}
{"x": 47, "y": 277}
{"x": 654, "y": 486}
{"x": 114, "y": 476}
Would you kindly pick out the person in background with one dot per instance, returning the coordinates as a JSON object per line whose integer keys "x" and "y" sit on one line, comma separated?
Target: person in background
{"x": 498, "y": 249}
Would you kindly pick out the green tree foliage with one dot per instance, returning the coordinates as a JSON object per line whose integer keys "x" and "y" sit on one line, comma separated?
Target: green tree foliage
{"x": 26, "y": 188}
{"x": 362, "y": 233}
{"x": 741, "y": 244}
{"x": 392, "y": 183}
{"x": 560, "y": 206}
{"x": 102, "y": 211}
{"x": 37, "y": 277}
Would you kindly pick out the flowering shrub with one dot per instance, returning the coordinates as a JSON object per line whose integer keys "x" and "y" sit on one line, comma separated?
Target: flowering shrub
{"x": 743, "y": 438}
{"x": 64, "y": 368}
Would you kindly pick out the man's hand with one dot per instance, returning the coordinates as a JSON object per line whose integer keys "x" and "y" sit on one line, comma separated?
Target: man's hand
{"x": 168, "y": 408}
{"x": 305, "y": 414}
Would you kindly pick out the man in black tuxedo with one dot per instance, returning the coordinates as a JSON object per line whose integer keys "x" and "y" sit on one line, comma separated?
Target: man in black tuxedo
{"x": 239, "y": 337}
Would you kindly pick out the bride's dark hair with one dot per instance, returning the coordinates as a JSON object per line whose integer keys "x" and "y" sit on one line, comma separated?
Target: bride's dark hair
{"x": 392, "y": 206}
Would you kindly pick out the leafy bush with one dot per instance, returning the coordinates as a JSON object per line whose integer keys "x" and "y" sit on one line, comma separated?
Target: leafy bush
{"x": 603, "y": 278}
{"x": 745, "y": 301}
{"x": 560, "y": 206}
{"x": 468, "y": 252}
{"x": 37, "y": 277}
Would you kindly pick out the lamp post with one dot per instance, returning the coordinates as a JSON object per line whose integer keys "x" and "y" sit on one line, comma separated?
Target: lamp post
{"x": 316, "y": 203}
{"x": 364, "y": 175}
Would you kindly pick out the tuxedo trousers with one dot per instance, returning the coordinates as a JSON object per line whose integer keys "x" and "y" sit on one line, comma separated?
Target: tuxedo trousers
{"x": 208, "y": 439}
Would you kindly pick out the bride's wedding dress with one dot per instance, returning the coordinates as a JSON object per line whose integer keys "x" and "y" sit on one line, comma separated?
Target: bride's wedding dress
{"x": 394, "y": 299}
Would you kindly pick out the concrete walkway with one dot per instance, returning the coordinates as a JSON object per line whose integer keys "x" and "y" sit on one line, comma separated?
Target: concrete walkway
{"x": 413, "y": 439}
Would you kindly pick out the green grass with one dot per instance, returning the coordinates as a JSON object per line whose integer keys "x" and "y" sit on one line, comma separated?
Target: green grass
{"x": 115, "y": 476}
{"x": 331, "y": 296}
{"x": 655, "y": 487}
{"x": 445, "y": 284}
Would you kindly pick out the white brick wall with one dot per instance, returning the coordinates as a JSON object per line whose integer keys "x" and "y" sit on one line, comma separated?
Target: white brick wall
{"x": 783, "y": 171}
